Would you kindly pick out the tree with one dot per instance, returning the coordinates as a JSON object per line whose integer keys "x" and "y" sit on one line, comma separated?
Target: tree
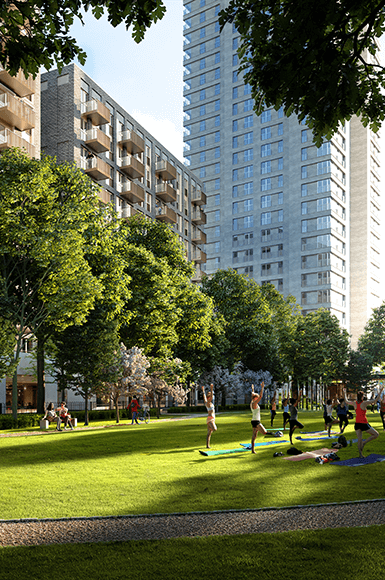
{"x": 8, "y": 364}
{"x": 314, "y": 59}
{"x": 358, "y": 370}
{"x": 372, "y": 341}
{"x": 84, "y": 356}
{"x": 166, "y": 378}
{"x": 131, "y": 378}
{"x": 46, "y": 40}
{"x": 320, "y": 348}
{"x": 47, "y": 215}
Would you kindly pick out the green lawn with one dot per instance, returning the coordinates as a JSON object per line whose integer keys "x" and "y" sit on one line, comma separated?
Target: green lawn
{"x": 156, "y": 468}
{"x": 303, "y": 555}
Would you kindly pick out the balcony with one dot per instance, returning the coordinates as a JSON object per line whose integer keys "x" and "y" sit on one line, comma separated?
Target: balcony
{"x": 165, "y": 170}
{"x": 198, "y": 217}
{"x": 132, "y": 192}
{"x": 165, "y": 214}
{"x": 97, "y": 140}
{"x": 198, "y": 256}
{"x": 131, "y": 141}
{"x": 198, "y": 237}
{"x": 165, "y": 192}
{"x": 16, "y": 113}
{"x": 197, "y": 277}
{"x": 19, "y": 84}
{"x": 198, "y": 197}
{"x": 104, "y": 196}
{"x": 10, "y": 139}
{"x": 96, "y": 168}
{"x": 132, "y": 166}
{"x": 96, "y": 111}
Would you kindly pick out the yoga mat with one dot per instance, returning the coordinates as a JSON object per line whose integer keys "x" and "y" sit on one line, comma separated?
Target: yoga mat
{"x": 357, "y": 461}
{"x": 315, "y": 432}
{"x": 210, "y": 452}
{"x": 309, "y": 455}
{"x": 316, "y": 438}
{"x": 263, "y": 443}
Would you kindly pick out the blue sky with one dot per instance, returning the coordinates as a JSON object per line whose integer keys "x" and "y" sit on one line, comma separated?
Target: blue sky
{"x": 146, "y": 79}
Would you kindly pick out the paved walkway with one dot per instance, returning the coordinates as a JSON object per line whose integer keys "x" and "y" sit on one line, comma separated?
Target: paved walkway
{"x": 161, "y": 526}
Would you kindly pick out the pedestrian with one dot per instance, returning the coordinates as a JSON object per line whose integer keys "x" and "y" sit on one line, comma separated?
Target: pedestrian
{"x": 134, "y": 409}
{"x": 209, "y": 403}
{"x": 362, "y": 424}
{"x": 342, "y": 414}
{"x": 286, "y": 414}
{"x": 256, "y": 415}
{"x": 273, "y": 408}
{"x": 293, "y": 421}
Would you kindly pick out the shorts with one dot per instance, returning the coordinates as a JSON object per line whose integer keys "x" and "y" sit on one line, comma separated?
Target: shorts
{"x": 328, "y": 420}
{"x": 255, "y": 424}
{"x": 362, "y": 426}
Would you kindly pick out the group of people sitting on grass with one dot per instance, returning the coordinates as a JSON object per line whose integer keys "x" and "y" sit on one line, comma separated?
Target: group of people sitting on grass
{"x": 290, "y": 415}
{"x": 58, "y": 416}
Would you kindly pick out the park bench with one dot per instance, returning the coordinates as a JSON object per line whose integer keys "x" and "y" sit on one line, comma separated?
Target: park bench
{"x": 44, "y": 423}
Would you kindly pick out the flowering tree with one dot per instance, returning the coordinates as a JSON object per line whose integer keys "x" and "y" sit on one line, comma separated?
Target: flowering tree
{"x": 131, "y": 378}
{"x": 224, "y": 382}
{"x": 166, "y": 376}
{"x": 247, "y": 377}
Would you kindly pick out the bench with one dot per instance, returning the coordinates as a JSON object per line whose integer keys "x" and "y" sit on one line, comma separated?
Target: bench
{"x": 44, "y": 423}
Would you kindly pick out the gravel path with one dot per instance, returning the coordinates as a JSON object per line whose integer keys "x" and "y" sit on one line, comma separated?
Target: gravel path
{"x": 160, "y": 526}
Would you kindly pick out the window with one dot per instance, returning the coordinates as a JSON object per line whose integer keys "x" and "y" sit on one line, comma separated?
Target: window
{"x": 304, "y": 171}
{"x": 265, "y": 184}
{"x": 235, "y": 225}
{"x": 235, "y": 43}
{"x": 202, "y": 141}
{"x": 202, "y": 63}
{"x": 217, "y": 42}
{"x": 323, "y": 167}
{"x": 248, "y": 188}
{"x": 202, "y": 48}
{"x": 235, "y": 207}
{"x": 202, "y": 32}
{"x": 217, "y": 121}
{"x": 217, "y": 183}
{"x": 248, "y": 138}
{"x": 217, "y": 152}
{"x": 248, "y": 205}
{"x": 247, "y": 89}
{"x": 235, "y": 125}
{"x": 323, "y": 222}
{"x": 235, "y": 108}
{"x": 202, "y": 126}
{"x": 202, "y": 94}
{"x": 304, "y": 207}
{"x": 265, "y": 218}
{"x": 217, "y": 73}
{"x": 304, "y": 136}
{"x": 202, "y": 172}
{"x": 266, "y": 167}
{"x": 217, "y": 199}
{"x": 217, "y": 89}
{"x": 235, "y": 92}
{"x": 280, "y": 180}
{"x": 266, "y": 150}
{"x": 217, "y": 215}
{"x": 280, "y": 198}
{"x": 217, "y": 136}
{"x": 304, "y": 154}
{"x": 202, "y": 110}
{"x": 217, "y": 246}
{"x": 266, "y": 116}
{"x": 304, "y": 226}
{"x": 323, "y": 185}
{"x": 280, "y": 128}
{"x": 248, "y": 121}
{"x": 265, "y": 133}
{"x": 235, "y": 158}
{"x": 202, "y": 17}
{"x": 235, "y": 141}
{"x": 235, "y": 174}
{"x": 235, "y": 59}
{"x": 217, "y": 167}
{"x": 280, "y": 164}
{"x": 235, "y": 190}
{"x": 304, "y": 190}
{"x": 323, "y": 204}
{"x": 265, "y": 201}
{"x": 248, "y": 155}
{"x": 217, "y": 231}
{"x": 202, "y": 156}
{"x": 217, "y": 104}
{"x": 248, "y": 221}
{"x": 202, "y": 3}
{"x": 217, "y": 57}
{"x": 248, "y": 171}
{"x": 202, "y": 79}
{"x": 280, "y": 146}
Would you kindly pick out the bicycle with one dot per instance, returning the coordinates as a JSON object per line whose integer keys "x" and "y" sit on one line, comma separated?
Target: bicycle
{"x": 144, "y": 415}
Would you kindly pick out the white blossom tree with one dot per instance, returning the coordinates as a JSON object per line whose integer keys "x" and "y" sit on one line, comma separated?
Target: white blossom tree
{"x": 225, "y": 383}
{"x": 131, "y": 376}
{"x": 166, "y": 377}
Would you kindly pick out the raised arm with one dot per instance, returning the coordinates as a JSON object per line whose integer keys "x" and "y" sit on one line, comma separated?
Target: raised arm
{"x": 204, "y": 394}
{"x": 346, "y": 399}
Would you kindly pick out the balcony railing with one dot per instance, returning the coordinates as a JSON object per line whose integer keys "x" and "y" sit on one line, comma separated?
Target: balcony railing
{"x": 10, "y": 139}
{"x": 104, "y": 196}
{"x": 165, "y": 192}
{"x": 165, "y": 214}
{"x": 132, "y": 166}
{"x": 198, "y": 256}
{"x": 97, "y": 140}
{"x": 96, "y": 111}
{"x": 198, "y": 216}
{"x": 165, "y": 170}
{"x": 19, "y": 84}
{"x": 198, "y": 237}
{"x": 95, "y": 168}
{"x": 198, "y": 197}
{"x": 16, "y": 113}
{"x": 133, "y": 192}
{"x": 131, "y": 141}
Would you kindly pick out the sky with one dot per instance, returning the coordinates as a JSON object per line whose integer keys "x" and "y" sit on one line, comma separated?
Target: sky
{"x": 146, "y": 79}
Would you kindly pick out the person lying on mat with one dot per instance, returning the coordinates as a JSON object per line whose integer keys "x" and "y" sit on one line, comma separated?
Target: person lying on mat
{"x": 256, "y": 415}
{"x": 362, "y": 424}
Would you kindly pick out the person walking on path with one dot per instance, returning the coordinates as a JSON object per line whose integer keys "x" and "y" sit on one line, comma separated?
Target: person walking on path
{"x": 256, "y": 415}
{"x": 209, "y": 403}
{"x": 273, "y": 408}
{"x": 286, "y": 414}
{"x": 293, "y": 421}
{"x": 362, "y": 424}
{"x": 134, "y": 408}
{"x": 342, "y": 414}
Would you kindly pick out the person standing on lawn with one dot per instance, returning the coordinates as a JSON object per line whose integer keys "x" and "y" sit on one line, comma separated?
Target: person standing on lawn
{"x": 342, "y": 414}
{"x": 362, "y": 424}
{"x": 382, "y": 410}
{"x": 273, "y": 408}
{"x": 329, "y": 415}
{"x": 256, "y": 415}
{"x": 286, "y": 414}
{"x": 293, "y": 421}
{"x": 209, "y": 403}
{"x": 134, "y": 408}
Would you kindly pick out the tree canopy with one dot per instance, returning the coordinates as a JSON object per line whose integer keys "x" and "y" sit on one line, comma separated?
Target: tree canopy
{"x": 46, "y": 39}
{"x": 315, "y": 59}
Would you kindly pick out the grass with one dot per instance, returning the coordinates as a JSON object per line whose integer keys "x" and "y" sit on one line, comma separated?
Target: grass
{"x": 310, "y": 555}
{"x": 156, "y": 468}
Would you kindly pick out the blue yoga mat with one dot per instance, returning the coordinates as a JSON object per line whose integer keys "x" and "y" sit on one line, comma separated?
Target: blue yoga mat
{"x": 263, "y": 443}
{"x": 357, "y": 461}
{"x": 316, "y": 438}
{"x": 222, "y": 451}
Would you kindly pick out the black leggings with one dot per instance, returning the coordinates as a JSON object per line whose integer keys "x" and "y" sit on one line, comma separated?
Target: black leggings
{"x": 273, "y": 414}
{"x": 343, "y": 419}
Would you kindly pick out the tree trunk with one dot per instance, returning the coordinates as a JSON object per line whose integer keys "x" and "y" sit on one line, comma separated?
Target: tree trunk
{"x": 117, "y": 410}
{"x": 86, "y": 409}
{"x": 40, "y": 371}
{"x": 14, "y": 395}
{"x": 158, "y": 407}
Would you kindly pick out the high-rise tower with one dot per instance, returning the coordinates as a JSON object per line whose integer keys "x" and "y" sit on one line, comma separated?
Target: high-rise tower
{"x": 279, "y": 209}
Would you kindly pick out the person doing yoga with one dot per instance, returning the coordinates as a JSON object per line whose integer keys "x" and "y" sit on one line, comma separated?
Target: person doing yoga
{"x": 256, "y": 415}
{"x": 362, "y": 424}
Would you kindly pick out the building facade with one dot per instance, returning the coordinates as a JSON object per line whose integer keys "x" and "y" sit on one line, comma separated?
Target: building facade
{"x": 279, "y": 209}
{"x": 82, "y": 123}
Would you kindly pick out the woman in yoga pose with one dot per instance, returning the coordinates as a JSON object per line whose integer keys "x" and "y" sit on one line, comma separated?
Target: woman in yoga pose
{"x": 362, "y": 424}
{"x": 211, "y": 426}
{"x": 256, "y": 415}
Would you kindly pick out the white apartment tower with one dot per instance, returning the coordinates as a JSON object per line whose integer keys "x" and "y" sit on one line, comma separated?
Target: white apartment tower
{"x": 279, "y": 209}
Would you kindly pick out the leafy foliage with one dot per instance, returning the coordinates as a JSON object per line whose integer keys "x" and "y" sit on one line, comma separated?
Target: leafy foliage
{"x": 46, "y": 39}
{"x": 372, "y": 341}
{"x": 7, "y": 345}
{"x": 314, "y": 59}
